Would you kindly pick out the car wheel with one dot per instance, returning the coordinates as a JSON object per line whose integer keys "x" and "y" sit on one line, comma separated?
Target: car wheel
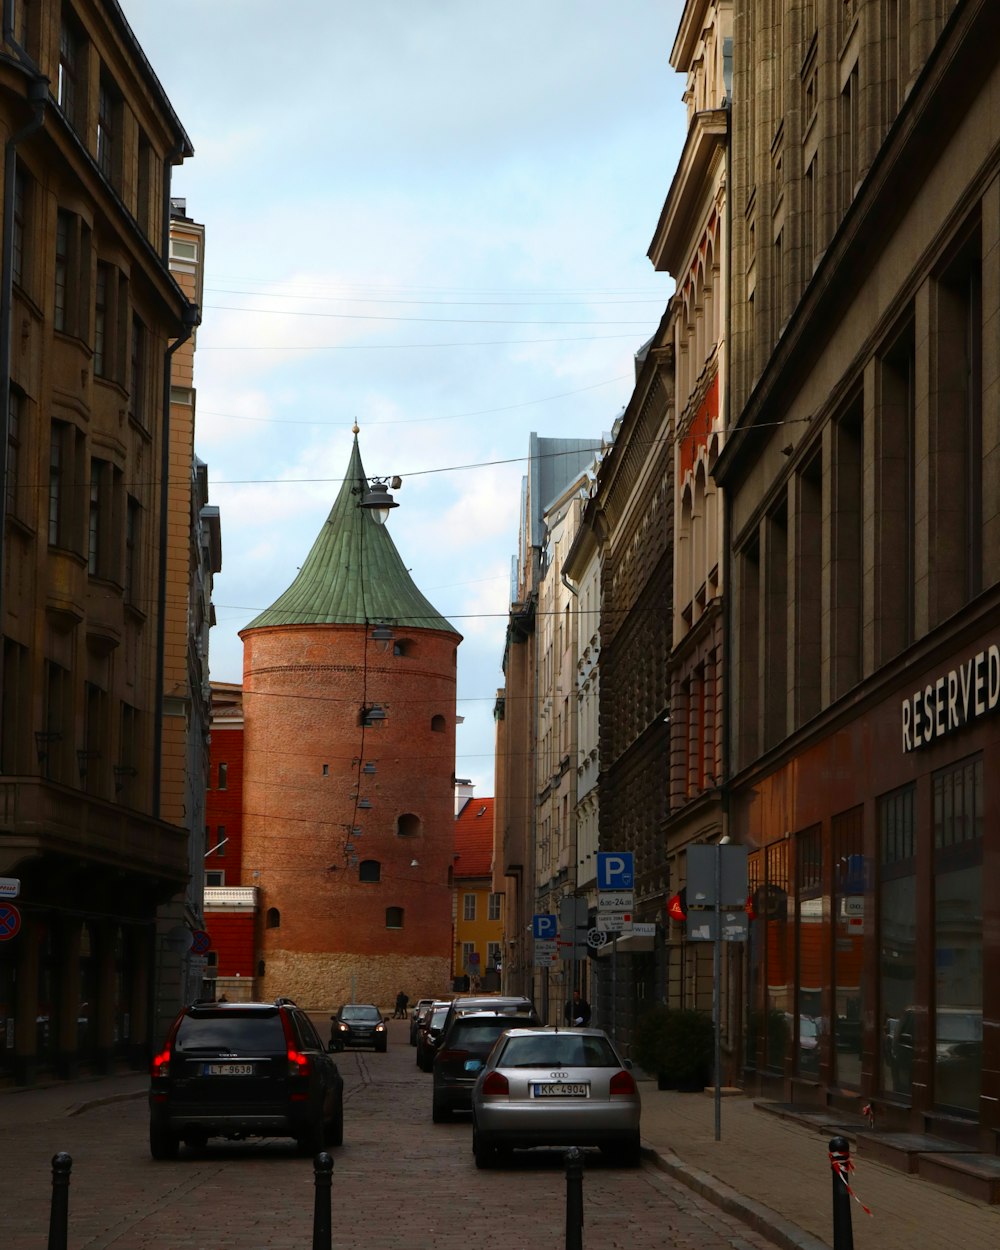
{"x": 627, "y": 1154}
{"x": 313, "y": 1140}
{"x": 335, "y": 1127}
{"x": 163, "y": 1144}
{"x": 484, "y": 1151}
{"x": 380, "y": 1047}
{"x": 440, "y": 1114}
{"x": 335, "y": 1048}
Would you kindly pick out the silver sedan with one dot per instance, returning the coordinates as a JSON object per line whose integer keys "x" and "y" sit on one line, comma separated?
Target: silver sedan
{"x": 555, "y": 1087}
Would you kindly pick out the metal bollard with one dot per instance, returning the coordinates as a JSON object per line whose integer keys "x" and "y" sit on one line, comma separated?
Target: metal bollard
{"x": 62, "y": 1165}
{"x": 574, "y": 1199}
{"x": 323, "y": 1168}
{"x": 840, "y": 1159}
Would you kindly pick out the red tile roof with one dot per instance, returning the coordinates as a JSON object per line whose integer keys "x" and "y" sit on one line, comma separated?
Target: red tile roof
{"x": 474, "y": 839}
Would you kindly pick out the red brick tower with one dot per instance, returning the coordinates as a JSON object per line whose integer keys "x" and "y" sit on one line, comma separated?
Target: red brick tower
{"x": 348, "y": 788}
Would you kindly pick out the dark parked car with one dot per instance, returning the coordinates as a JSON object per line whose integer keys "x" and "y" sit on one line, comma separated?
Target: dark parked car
{"x": 238, "y": 1070}
{"x": 429, "y": 1034}
{"x": 358, "y": 1024}
{"x": 417, "y": 1015}
{"x": 510, "y": 1004}
{"x": 462, "y": 1051}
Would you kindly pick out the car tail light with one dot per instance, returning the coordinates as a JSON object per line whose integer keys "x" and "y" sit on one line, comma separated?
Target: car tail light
{"x": 160, "y": 1065}
{"x": 495, "y": 1083}
{"x": 298, "y": 1063}
{"x": 622, "y": 1083}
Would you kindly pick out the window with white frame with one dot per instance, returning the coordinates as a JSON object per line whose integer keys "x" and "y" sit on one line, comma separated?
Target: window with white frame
{"x": 469, "y": 907}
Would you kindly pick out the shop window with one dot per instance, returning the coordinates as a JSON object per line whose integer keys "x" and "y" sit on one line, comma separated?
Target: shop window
{"x": 897, "y": 938}
{"x": 849, "y": 880}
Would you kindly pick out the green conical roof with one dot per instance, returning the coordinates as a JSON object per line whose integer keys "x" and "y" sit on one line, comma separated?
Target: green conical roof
{"x": 353, "y": 575}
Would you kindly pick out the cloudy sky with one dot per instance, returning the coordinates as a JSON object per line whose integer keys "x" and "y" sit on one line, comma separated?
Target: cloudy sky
{"x": 430, "y": 217}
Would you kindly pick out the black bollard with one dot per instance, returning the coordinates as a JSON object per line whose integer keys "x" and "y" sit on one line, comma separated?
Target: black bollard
{"x": 574, "y": 1199}
{"x": 840, "y": 1162}
{"x": 62, "y": 1165}
{"x": 323, "y": 1167}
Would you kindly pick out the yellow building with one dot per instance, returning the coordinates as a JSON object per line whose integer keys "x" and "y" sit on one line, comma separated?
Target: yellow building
{"x": 478, "y": 910}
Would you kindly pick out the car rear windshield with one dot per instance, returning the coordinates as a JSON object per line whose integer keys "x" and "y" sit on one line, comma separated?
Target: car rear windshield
{"x": 561, "y": 1050}
{"x": 240, "y": 1033}
{"x": 477, "y": 1033}
{"x": 360, "y": 1013}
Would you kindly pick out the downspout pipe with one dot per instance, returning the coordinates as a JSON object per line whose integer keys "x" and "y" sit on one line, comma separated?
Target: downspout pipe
{"x": 190, "y": 319}
{"x": 37, "y": 95}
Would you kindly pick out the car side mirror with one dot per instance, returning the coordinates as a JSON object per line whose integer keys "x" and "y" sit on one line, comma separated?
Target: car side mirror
{"x": 628, "y": 1064}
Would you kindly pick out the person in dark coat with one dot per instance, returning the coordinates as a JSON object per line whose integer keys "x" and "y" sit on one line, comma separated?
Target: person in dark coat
{"x": 402, "y": 1002}
{"x": 577, "y": 1011}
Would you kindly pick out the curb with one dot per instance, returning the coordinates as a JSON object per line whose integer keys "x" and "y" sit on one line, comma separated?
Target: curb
{"x": 80, "y": 1107}
{"x": 762, "y": 1219}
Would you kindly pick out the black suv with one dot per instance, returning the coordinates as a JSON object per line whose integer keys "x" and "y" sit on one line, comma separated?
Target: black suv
{"x": 240, "y": 1070}
{"x": 462, "y": 1050}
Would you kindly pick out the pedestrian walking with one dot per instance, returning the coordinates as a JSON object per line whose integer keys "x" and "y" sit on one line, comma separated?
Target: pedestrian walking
{"x": 577, "y": 1010}
{"x": 402, "y": 1002}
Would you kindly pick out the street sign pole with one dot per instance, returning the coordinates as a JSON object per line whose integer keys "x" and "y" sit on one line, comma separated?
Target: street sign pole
{"x": 614, "y": 987}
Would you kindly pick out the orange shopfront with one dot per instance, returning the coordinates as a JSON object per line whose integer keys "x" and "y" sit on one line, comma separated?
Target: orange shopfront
{"x": 873, "y": 965}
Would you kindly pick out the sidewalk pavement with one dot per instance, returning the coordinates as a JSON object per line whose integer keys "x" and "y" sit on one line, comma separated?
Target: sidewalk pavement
{"x": 769, "y": 1170}
{"x": 775, "y": 1172}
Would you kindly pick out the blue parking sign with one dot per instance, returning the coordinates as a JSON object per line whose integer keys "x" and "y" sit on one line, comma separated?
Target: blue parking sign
{"x": 545, "y": 928}
{"x": 615, "y": 870}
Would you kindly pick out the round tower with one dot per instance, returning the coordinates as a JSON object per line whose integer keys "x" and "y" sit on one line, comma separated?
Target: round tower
{"x": 349, "y": 683}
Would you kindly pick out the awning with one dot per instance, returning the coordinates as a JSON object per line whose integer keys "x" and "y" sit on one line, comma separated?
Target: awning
{"x": 628, "y": 944}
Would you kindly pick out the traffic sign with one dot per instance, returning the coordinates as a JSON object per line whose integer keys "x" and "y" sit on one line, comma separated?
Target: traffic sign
{"x": 615, "y": 870}
{"x": 616, "y": 900}
{"x": 201, "y": 943}
{"x": 10, "y": 887}
{"x": 544, "y": 928}
{"x": 619, "y": 922}
{"x": 596, "y": 938}
{"x": 10, "y": 921}
{"x": 546, "y": 952}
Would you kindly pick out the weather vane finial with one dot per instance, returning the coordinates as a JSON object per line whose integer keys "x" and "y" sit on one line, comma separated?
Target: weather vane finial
{"x": 355, "y": 428}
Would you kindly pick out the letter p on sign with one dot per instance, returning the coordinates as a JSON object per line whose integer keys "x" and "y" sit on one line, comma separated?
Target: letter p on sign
{"x": 615, "y": 870}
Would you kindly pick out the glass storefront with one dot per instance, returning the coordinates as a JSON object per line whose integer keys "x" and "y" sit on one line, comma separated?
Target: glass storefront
{"x": 897, "y": 990}
{"x": 809, "y": 950}
{"x": 848, "y": 905}
{"x": 958, "y": 935}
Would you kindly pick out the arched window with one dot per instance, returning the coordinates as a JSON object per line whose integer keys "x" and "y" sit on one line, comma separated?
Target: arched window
{"x": 438, "y": 724}
{"x": 394, "y": 917}
{"x": 402, "y": 646}
{"x": 369, "y": 870}
{"x": 408, "y": 825}
{"x": 273, "y": 918}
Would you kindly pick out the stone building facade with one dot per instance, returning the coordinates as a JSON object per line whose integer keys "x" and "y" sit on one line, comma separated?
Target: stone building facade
{"x": 90, "y": 317}
{"x": 860, "y": 475}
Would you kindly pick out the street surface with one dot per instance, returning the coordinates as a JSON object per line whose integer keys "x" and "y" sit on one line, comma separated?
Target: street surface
{"x": 398, "y": 1181}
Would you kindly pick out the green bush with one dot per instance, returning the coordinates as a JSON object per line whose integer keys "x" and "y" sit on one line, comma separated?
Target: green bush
{"x": 676, "y": 1045}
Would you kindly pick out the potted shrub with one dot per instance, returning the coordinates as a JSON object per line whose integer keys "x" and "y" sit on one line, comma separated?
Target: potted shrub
{"x": 677, "y": 1045}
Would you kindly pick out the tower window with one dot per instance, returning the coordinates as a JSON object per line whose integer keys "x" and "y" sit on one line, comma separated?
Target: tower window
{"x": 438, "y": 724}
{"x": 408, "y": 825}
{"x": 273, "y": 918}
{"x": 394, "y": 917}
{"x": 369, "y": 870}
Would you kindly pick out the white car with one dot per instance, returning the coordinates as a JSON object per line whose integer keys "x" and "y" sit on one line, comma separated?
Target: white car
{"x": 555, "y": 1087}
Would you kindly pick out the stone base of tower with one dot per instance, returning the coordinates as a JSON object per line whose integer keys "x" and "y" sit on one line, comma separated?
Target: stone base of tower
{"x": 317, "y": 980}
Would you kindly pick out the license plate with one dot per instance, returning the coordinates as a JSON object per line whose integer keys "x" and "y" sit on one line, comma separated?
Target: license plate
{"x": 473, "y": 1065}
{"x": 562, "y": 1089}
{"x": 228, "y": 1069}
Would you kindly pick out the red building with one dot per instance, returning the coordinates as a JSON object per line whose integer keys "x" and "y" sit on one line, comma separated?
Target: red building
{"x": 348, "y": 773}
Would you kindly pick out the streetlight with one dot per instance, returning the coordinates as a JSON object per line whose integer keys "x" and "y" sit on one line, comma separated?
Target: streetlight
{"x": 377, "y": 500}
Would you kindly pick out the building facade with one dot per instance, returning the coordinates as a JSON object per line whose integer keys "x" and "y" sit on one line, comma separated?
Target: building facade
{"x": 478, "y": 910}
{"x": 860, "y": 478}
{"x": 691, "y": 244}
{"x": 348, "y": 772}
{"x": 90, "y": 317}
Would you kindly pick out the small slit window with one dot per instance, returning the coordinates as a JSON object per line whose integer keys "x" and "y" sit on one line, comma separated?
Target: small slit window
{"x": 394, "y": 917}
{"x": 273, "y": 918}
